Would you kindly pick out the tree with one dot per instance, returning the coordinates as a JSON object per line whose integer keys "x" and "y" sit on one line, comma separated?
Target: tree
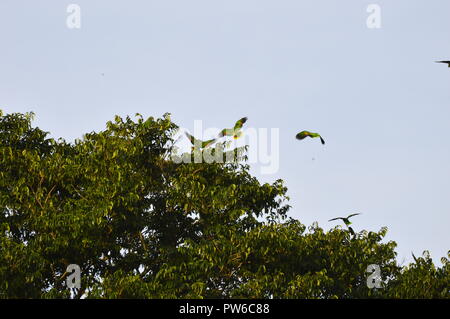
{"x": 422, "y": 279}
{"x": 141, "y": 225}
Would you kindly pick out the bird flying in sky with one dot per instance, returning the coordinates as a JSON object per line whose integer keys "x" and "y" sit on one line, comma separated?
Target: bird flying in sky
{"x": 236, "y": 130}
{"x": 446, "y": 62}
{"x": 304, "y": 134}
{"x": 199, "y": 143}
{"x": 346, "y": 220}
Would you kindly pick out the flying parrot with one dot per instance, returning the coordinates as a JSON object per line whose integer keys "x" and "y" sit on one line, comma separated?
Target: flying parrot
{"x": 303, "y": 134}
{"x": 346, "y": 220}
{"x": 446, "y": 62}
{"x": 196, "y": 142}
{"x": 235, "y": 131}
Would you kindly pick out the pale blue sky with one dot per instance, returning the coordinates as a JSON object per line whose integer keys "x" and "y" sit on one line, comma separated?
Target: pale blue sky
{"x": 376, "y": 95}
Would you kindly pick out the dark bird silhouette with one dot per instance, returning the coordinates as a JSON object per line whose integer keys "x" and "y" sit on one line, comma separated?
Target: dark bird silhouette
{"x": 446, "y": 62}
{"x": 351, "y": 230}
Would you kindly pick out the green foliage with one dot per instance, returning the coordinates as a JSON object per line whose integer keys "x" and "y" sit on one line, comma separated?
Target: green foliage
{"x": 143, "y": 226}
{"x": 422, "y": 279}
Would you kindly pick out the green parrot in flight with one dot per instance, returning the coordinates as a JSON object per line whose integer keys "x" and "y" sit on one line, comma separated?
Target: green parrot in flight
{"x": 347, "y": 222}
{"x": 446, "y": 62}
{"x": 303, "y": 134}
{"x": 236, "y": 130}
{"x": 196, "y": 142}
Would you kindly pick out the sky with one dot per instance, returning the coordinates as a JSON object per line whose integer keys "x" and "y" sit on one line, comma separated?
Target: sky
{"x": 375, "y": 94}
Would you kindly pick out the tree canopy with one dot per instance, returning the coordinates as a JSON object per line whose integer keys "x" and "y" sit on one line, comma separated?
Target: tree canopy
{"x": 141, "y": 225}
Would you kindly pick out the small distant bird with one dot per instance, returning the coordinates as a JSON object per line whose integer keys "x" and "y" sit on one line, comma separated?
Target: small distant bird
{"x": 304, "y": 134}
{"x": 346, "y": 220}
{"x": 236, "y": 130}
{"x": 199, "y": 143}
{"x": 446, "y": 62}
